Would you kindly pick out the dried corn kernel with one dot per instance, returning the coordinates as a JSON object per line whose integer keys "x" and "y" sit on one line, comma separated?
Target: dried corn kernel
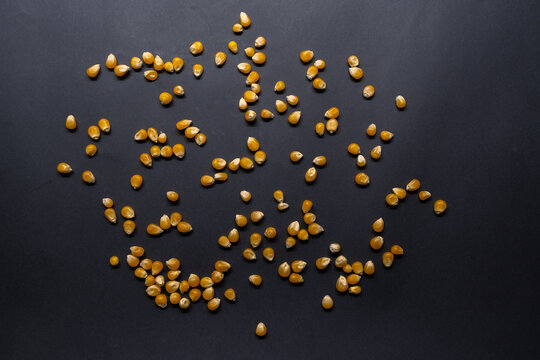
{"x": 93, "y": 71}
{"x": 234, "y": 165}
{"x": 259, "y": 157}
{"x": 249, "y": 255}
{"x": 319, "y": 128}
{"x": 322, "y": 263}
{"x": 290, "y": 242}
{"x": 150, "y": 75}
{"x": 174, "y": 298}
{"x": 240, "y": 220}
{"x": 400, "y": 193}
{"x": 353, "y": 61}
{"x": 327, "y": 303}
{"x": 341, "y": 284}
{"x": 237, "y": 28}
{"x": 376, "y": 242}
{"x": 148, "y": 58}
{"x": 284, "y": 270}
{"x": 166, "y": 151}
{"x": 255, "y": 279}
{"x": 94, "y": 133}
{"x": 392, "y": 199}
{"x": 220, "y": 58}
{"x": 153, "y": 229}
{"x": 424, "y": 195}
{"x": 252, "y": 78}
{"x": 356, "y": 73}
{"x": 165, "y": 98}
{"x": 217, "y": 276}
{"x": 387, "y": 259}
{"x": 378, "y": 225}
{"x": 353, "y": 149}
{"x": 368, "y": 91}
{"x": 270, "y": 232}
{"x": 355, "y": 290}
{"x": 396, "y": 250}
{"x": 360, "y": 161}
{"x": 146, "y": 264}
{"x": 361, "y": 179}
{"x": 230, "y": 294}
{"x": 293, "y": 228}
{"x": 279, "y": 86}
{"x": 168, "y": 67}
{"x": 294, "y": 117}
{"x": 386, "y": 135}
{"x": 184, "y": 227}
{"x": 198, "y": 70}
{"x": 259, "y": 58}
{"x": 332, "y": 126}
{"x": 132, "y": 261}
{"x": 281, "y": 106}
{"x": 296, "y": 156}
{"x": 195, "y": 294}
{"x": 311, "y": 175}
{"x": 193, "y": 280}
{"x": 260, "y": 330}
{"x": 184, "y": 303}
{"x": 256, "y": 88}
{"x": 266, "y": 114}
{"x": 413, "y": 185}
{"x": 250, "y": 115}
{"x": 196, "y": 48}
{"x": 312, "y": 72}
{"x": 110, "y": 215}
{"x": 298, "y": 266}
{"x": 439, "y": 207}
{"x": 249, "y": 51}
{"x": 295, "y": 278}
{"x": 306, "y": 56}
{"x": 165, "y": 222}
{"x": 88, "y": 177}
{"x": 158, "y": 63}
{"x": 114, "y": 261}
{"x": 129, "y": 227}
{"x": 268, "y": 254}
{"x": 208, "y": 293}
{"x": 121, "y": 70}
{"x": 155, "y": 151}
{"x": 178, "y": 90}
{"x": 371, "y": 130}
{"x": 376, "y": 152}
{"x": 319, "y": 84}
{"x": 71, "y": 123}
{"x": 246, "y": 163}
{"x": 90, "y": 150}
{"x": 233, "y": 47}
{"x": 400, "y": 102}
{"x": 233, "y": 235}
{"x": 292, "y": 100}
{"x": 250, "y": 96}
{"x": 107, "y": 202}
{"x": 244, "y": 68}
{"x": 334, "y": 248}
{"x": 222, "y": 266}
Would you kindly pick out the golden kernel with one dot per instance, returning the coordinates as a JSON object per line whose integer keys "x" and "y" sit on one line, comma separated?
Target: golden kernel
{"x": 150, "y": 75}
{"x": 439, "y": 207}
{"x": 71, "y": 123}
{"x": 387, "y": 259}
{"x": 230, "y": 294}
{"x": 292, "y": 100}
{"x": 107, "y": 202}
{"x": 371, "y": 130}
{"x": 129, "y": 227}
{"x": 312, "y": 72}
{"x": 368, "y": 91}
{"x": 220, "y": 58}
{"x": 250, "y": 96}
{"x": 252, "y": 78}
{"x": 158, "y": 63}
{"x": 260, "y": 330}
{"x": 360, "y": 161}
{"x": 234, "y": 165}
{"x": 334, "y": 248}
{"x": 319, "y": 128}
{"x": 208, "y": 293}
{"x": 281, "y": 106}
{"x": 165, "y": 98}
{"x": 244, "y": 68}
{"x": 400, "y": 193}
{"x": 361, "y": 179}
{"x": 355, "y": 290}
{"x": 279, "y": 86}
{"x": 259, "y": 58}
{"x": 148, "y": 58}
{"x": 327, "y": 303}
{"x": 195, "y": 294}
{"x": 178, "y": 90}
{"x": 196, "y": 48}
{"x": 392, "y": 199}
{"x": 184, "y": 303}
{"x": 332, "y": 126}
{"x": 319, "y": 84}
{"x": 114, "y": 261}
{"x": 296, "y": 156}
{"x": 356, "y": 73}
{"x": 250, "y": 115}
{"x": 249, "y": 255}
{"x": 94, "y": 133}
{"x": 293, "y": 228}
{"x": 246, "y": 163}
{"x": 233, "y": 47}
{"x": 290, "y": 242}
{"x": 295, "y": 278}
{"x": 353, "y": 61}
{"x": 284, "y": 270}
{"x": 222, "y": 266}
{"x": 233, "y": 235}
{"x": 198, "y": 70}
{"x": 165, "y": 222}
{"x": 311, "y": 175}
{"x": 266, "y": 114}
{"x": 90, "y": 150}
{"x": 353, "y": 149}
{"x": 306, "y": 56}
{"x": 110, "y": 215}
{"x": 168, "y": 67}
{"x": 255, "y": 279}
{"x": 424, "y": 195}
{"x": 400, "y": 102}
{"x": 237, "y": 28}
{"x": 320, "y": 64}
{"x": 294, "y": 117}
{"x": 193, "y": 280}
{"x": 315, "y": 229}
{"x": 121, "y": 70}
{"x": 153, "y": 229}
{"x": 396, "y": 250}
{"x": 353, "y": 279}
{"x": 245, "y": 21}
{"x": 256, "y": 216}
{"x": 259, "y": 157}
{"x": 322, "y": 263}
{"x": 252, "y": 144}
{"x": 93, "y": 71}
{"x": 270, "y": 232}
{"x": 298, "y": 266}
{"x": 249, "y": 51}
{"x": 386, "y": 135}
{"x": 357, "y": 267}
{"x": 378, "y": 225}
{"x": 240, "y": 220}
{"x": 341, "y": 284}
{"x": 132, "y": 261}
{"x": 376, "y": 242}
{"x": 268, "y": 254}
{"x": 184, "y": 227}
{"x": 161, "y": 300}
{"x": 260, "y": 42}
{"x": 88, "y": 177}
{"x": 413, "y": 185}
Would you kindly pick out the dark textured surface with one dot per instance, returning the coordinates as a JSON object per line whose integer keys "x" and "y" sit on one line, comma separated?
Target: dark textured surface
{"x": 466, "y": 287}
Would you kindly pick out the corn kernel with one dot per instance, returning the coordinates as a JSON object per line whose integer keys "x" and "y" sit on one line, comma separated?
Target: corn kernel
{"x": 196, "y": 48}
{"x": 298, "y": 266}
{"x": 255, "y": 279}
{"x": 252, "y": 144}
{"x": 114, "y": 261}
{"x": 413, "y": 185}
{"x": 256, "y": 88}
{"x": 371, "y": 130}
{"x": 153, "y": 229}
{"x": 237, "y": 28}
{"x": 132, "y": 261}
{"x": 71, "y": 123}
{"x": 259, "y": 157}
{"x": 174, "y": 298}
{"x": 90, "y": 150}
{"x": 315, "y": 229}
{"x": 424, "y": 195}
{"x": 158, "y": 63}
{"x": 268, "y": 254}
{"x": 224, "y": 242}
{"x": 146, "y": 264}
{"x": 322, "y": 263}
{"x": 400, "y": 102}
{"x": 168, "y": 67}
{"x": 233, "y": 47}
{"x": 295, "y": 278}
{"x": 312, "y": 72}
{"x": 332, "y": 126}
{"x": 165, "y": 98}
{"x": 217, "y": 276}
{"x": 368, "y": 91}
{"x": 193, "y": 280}
{"x": 153, "y": 290}
{"x": 334, "y": 248}
{"x": 184, "y": 227}
{"x": 306, "y": 56}
{"x": 266, "y": 114}
{"x": 198, "y": 70}
{"x": 341, "y": 284}
{"x": 361, "y": 179}
{"x": 319, "y": 129}
{"x": 178, "y": 90}
{"x": 396, "y": 250}
{"x": 386, "y": 135}
{"x": 249, "y": 51}
{"x": 88, "y": 177}
{"x": 250, "y": 96}
{"x": 319, "y": 84}
{"x": 439, "y": 207}
{"x": 260, "y": 42}
{"x": 93, "y": 71}
{"x": 400, "y": 193}
{"x": 353, "y": 149}
{"x": 206, "y": 282}
{"x": 290, "y": 242}
{"x": 195, "y": 294}
{"x": 107, "y": 202}
{"x": 222, "y": 266}
{"x": 184, "y": 303}
{"x": 121, "y": 70}
{"x": 252, "y": 78}
{"x": 270, "y": 232}
{"x": 292, "y": 100}
{"x": 250, "y": 115}
{"x": 284, "y": 270}
{"x": 376, "y": 242}
{"x": 233, "y": 235}
{"x": 353, "y": 279}
{"x": 220, "y": 58}
{"x": 178, "y": 63}
{"x": 392, "y": 199}
{"x": 249, "y": 255}
{"x": 94, "y": 133}
{"x": 376, "y": 152}
{"x": 360, "y": 161}
{"x": 150, "y": 75}
{"x": 279, "y": 86}
{"x": 311, "y": 175}
{"x": 296, "y": 156}
{"x": 172, "y": 286}
{"x": 208, "y": 293}
{"x": 378, "y": 225}
{"x": 293, "y": 228}
{"x": 256, "y": 216}
{"x": 245, "y": 21}
{"x": 240, "y": 220}
{"x": 320, "y": 64}
{"x": 281, "y": 106}
{"x": 234, "y": 165}
{"x": 155, "y": 151}
{"x": 244, "y": 68}
{"x": 387, "y": 259}
{"x": 246, "y": 163}
{"x": 353, "y": 61}
{"x": 230, "y": 295}
{"x": 294, "y": 117}
{"x": 110, "y": 215}
{"x": 175, "y": 218}
{"x": 165, "y": 222}
{"x": 191, "y": 131}
{"x": 327, "y": 303}
{"x": 355, "y": 290}
{"x": 259, "y": 58}
{"x": 166, "y": 151}
{"x": 148, "y": 58}
{"x": 152, "y": 135}
{"x": 129, "y": 227}
{"x": 356, "y": 73}
{"x": 260, "y": 330}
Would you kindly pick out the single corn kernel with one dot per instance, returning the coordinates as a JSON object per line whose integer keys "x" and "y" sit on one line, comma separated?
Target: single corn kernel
{"x": 244, "y": 68}
{"x": 250, "y": 115}
{"x": 246, "y": 163}
{"x": 279, "y": 86}
{"x": 270, "y": 232}
{"x": 281, "y": 106}
{"x": 413, "y": 185}
{"x": 368, "y": 91}
{"x": 320, "y": 160}
{"x": 322, "y": 263}
{"x": 294, "y": 117}
{"x": 311, "y": 175}
{"x": 356, "y": 73}
{"x": 371, "y": 130}
{"x": 141, "y": 135}
{"x": 88, "y": 177}
{"x": 197, "y": 70}
{"x": 184, "y": 303}
{"x": 392, "y": 199}
{"x": 148, "y": 58}
{"x": 104, "y": 125}
{"x": 290, "y": 242}
{"x": 378, "y": 225}
{"x": 267, "y": 114}
{"x": 319, "y": 129}
{"x": 224, "y": 242}
{"x": 191, "y": 131}
{"x": 150, "y": 75}
{"x": 260, "y": 330}
{"x": 127, "y": 212}
{"x": 320, "y": 64}
{"x": 157, "y": 267}
{"x": 110, "y": 215}
{"x": 174, "y": 298}
{"x": 146, "y": 264}
{"x": 340, "y": 261}
{"x": 114, "y": 261}
{"x": 136, "y": 63}
{"x": 177, "y": 63}
{"x": 222, "y": 266}
{"x": 250, "y": 96}
{"x": 361, "y": 179}
{"x": 312, "y": 72}
{"x": 155, "y": 151}
{"x": 357, "y": 267}
{"x": 93, "y": 71}
{"x": 315, "y": 229}
{"x": 296, "y": 156}
{"x": 282, "y": 206}
{"x": 327, "y": 303}
{"x": 256, "y": 216}
{"x": 208, "y": 293}
{"x": 217, "y": 276}
{"x": 129, "y": 227}
{"x": 376, "y": 242}
{"x": 252, "y": 78}
{"x": 249, "y": 255}
{"x": 309, "y": 218}
{"x": 165, "y": 222}
{"x": 175, "y": 217}
{"x": 400, "y": 102}
{"x": 259, "y": 157}
{"x": 355, "y": 290}
{"x": 256, "y": 88}
{"x": 347, "y": 268}
{"x": 195, "y": 294}
{"x": 233, "y": 47}
{"x": 439, "y": 207}
{"x": 172, "y": 196}
{"x": 292, "y": 100}
{"x": 260, "y": 42}
{"x": 396, "y": 250}
{"x": 332, "y": 113}
{"x": 196, "y": 48}
{"x": 284, "y": 270}
{"x": 172, "y": 286}
{"x": 319, "y": 84}
{"x": 71, "y": 123}
{"x": 386, "y": 135}
{"x": 160, "y": 281}
{"x": 193, "y": 280}
{"x": 360, "y": 161}
{"x": 94, "y": 133}
{"x": 376, "y": 152}
{"x": 132, "y": 261}
{"x": 233, "y": 235}
{"x": 240, "y": 220}
{"x": 220, "y": 58}
{"x": 278, "y": 196}
{"x": 353, "y": 279}
{"x": 295, "y": 278}
{"x": 121, "y": 70}
{"x": 400, "y": 193}
{"x": 184, "y": 227}
{"x": 306, "y": 56}
{"x": 245, "y": 21}
{"x": 153, "y": 290}
{"x": 252, "y": 144}
{"x": 341, "y": 284}
{"x": 268, "y": 254}
{"x": 249, "y": 51}
{"x": 166, "y": 151}
{"x": 298, "y": 266}
{"x": 387, "y": 259}
{"x": 334, "y": 248}
{"x": 259, "y": 58}
{"x": 234, "y": 165}
{"x": 255, "y": 240}
{"x": 332, "y": 126}
{"x": 152, "y": 135}
{"x": 353, "y": 61}
{"x": 230, "y": 295}
{"x": 255, "y": 279}
{"x": 353, "y": 149}
{"x": 293, "y": 228}
{"x": 153, "y": 229}
{"x": 206, "y": 282}
{"x": 107, "y": 202}
{"x": 90, "y": 150}
{"x": 219, "y": 163}
{"x": 424, "y": 195}
{"x": 303, "y": 235}
{"x": 245, "y": 196}
{"x": 179, "y": 151}
{"x": 165, "y": 98}
{"x": 173, "y": 264}
{"x": 237, "y": 28}
{"x": 178, "y": 90}
{"x": 158, "y": 63}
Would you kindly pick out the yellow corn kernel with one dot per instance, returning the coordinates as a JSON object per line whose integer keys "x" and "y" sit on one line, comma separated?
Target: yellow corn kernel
{"x": 107, "y": 202}
{"x": 320, "y": 160}
{"x": 173, "y": 264}
{"x": 255, "y": 240}
{"x": 356, "y": 73}
{"x": 88, "y": 177}
{"x": 413, "y": 185}
{"x": 386, "y": 135}
{"x": 166, "y": 151}
{"x": 245, "y": 21}
{"x": 312, "y": 72}
{"x": 332, "y": 113}
{"x": 121, "y": 70}
{"x": 222, "y": 266}
{"x": 260, "y": 42}
{"x": 148, "y": 58}
{"x": 279, "y": 86}
{"x": 217, "y": 276}
{"x": 172, "y": 196}
{"x": 376, "y": 242}
{"x": 387, "y": 259}
{"x": 281, "y": 106}
{"x": 93, "y": 71}
{"x": 361, "y": 161}
{"x": 347, "y": 268}
{"x": 267, "y": 114}
{"x": 353, "y": 61}
{"x": 160, "y": 280}
{"x": 114, "y": 261}
{"x": 178, "y": 63}
{"x": 196, "y": 48}
{"x": 256, "y": 216}
{"x": 353, "y": 279}
{"x": 270, "y": 232}
{"x": 233, "y": 235}
{"x": 252, "y": 144}
{"x": 256, "y": 88}
{"x": 246, "y": 163}
{"x": 298, "y": 266}
{"x": 327, "y": 303}
{"x": 306, "y": 56}
{"x": 376, "y": 152}
{"x": 357, "y": 267}
{"x": 245, "y": 196}
{"x": 334, "y": 248}
{"x": 174, "y": 298}
{"x": 150, "y": 75}
{"x": 165, "y": 222}
{"x": 184, "y": 227}
{"x": 234, "y": 165}
{"x": 153, "y": 290}
{"x": 249, "y": 51}
{"x": 178, "y": 90}
{"x": 319, "y": 84}
{"x": 127, "y": 212}
{"x": 129, "y": 227}
{"x": 396, "y": 250}
{"x": 311, "y": 175}
{"x": 110, "y": 215}
{"x": 191, "y": 131}
{"x": 303, "y": 235}
{"x": 250, "y": 115}
{"x": 319, "y": 129}
{"x": 249, "y": 255}
{"x": 94, "y": 133}
{"x": 268, "y": 254}
{"x": 146, "y": 264}
{"x": 104, "y": 125}
{"x": 179, "y": 151}
{"x": 340, "y": 261}
{"x": 294, "y": 117}
{"x": 158, "y": 63}
{"x": 353, "y": 149}
{"x": 400, "y": 102}
{"x": 240, "y": 220}
{"x": 371, "y": 130}
{"x": 322, "y": 263}
{"x": 378, "y": 225}
{"x": 132, "y": 261}
{"x": 255, "y": 279}
{"x": 290, "y": 242}
{"x": 195, "y": 294}
{"x": 141, "y": 135}
{"x": 233, "y": 47}
{"x": 197, "y": 70}
{"x": 260, "y": 330}
{"x": 296, "y": 156}
{"x": 224, "y": 242}
{"x": 237, "y": 28}
{"x": 153, "y": 229}
{"x": 439, "y": 207}
{"x": 208, "y": 293}
{"x": 111, "y": 62}
{"x": 165, "y": 98}
{"x": 309, "y": 218}
{"x": 220, "y": 58}
{"x": 293, "y": 228}
{"x": 200, "y": 139}
{"x": 244, "y": 68}
{"x": 250, "y": 96}
{"x": 392, "y": 199}
{"x": 71, "y": 123}
{"x": 320, "y": 64}
{"x": 161, "y": 301}
{"x": 157, "y": 267}
{"x": 259, "y": 157}
{"x": 424, "y": 195}
{"x": 206, "y": 282}
{"x": 230, "y": 295}
{"x": 175, "y": 218}
{"x": 152, "y": 134}
{"x": 400, "y": 193}
{"x": 172, "y": 286}
{"x": 90, "y": 150}
{"x": 341, "y": 284}
{"x": 219, "y": 163}
{"x": 278, "y": 196}
{"x": 355, "y": 290}
{"x": 252, "y": 78}
{"x": 193, "y": 280}
{"x": 315, "y": 229}
{"x": 332, "y": 126}
{"x": 168, "y": 67}
{"x": 259, "y": 58}
{"x": 368, "y": 91}
{"x": 136, "y": 251}
{"x": 295, "y": 278}
{"x": 282, "y": 206}
{"x": 284, "y": 270}
{"x": 184, "y": 303}
{"x": 292, "y": 100}
{"x": 155, "y": 151}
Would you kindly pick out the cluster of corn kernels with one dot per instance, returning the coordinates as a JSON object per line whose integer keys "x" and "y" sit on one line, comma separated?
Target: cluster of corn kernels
{"x": 194, "y": 286}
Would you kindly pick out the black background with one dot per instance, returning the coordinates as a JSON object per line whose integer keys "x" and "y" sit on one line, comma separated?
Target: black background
{"x": 467, "y": 285}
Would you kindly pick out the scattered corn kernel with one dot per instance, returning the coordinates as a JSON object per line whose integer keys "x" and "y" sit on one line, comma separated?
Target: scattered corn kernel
{"x": 155, "y": 151}
{"x": 121, "y": 70}
{"x": 334, "y": 248}
{"x": 312, "y": 72}
{"x": 90, "y": 150}
{"x": 387, "y": 259}
{"x": 249, "y": 51}
{"x": 353, "y": 149}
{"x": 88, "y": 177}
{"x": 178, "y": 90}
{"x": 296, "y": 156}
{"x": 94, "y": 133}
{"x": 315, "y": 229}
{"x": 184, "y": 303}
{"x": 400, "y": 193}
{"x": 244, "y": 68}
{"x": 174, "y": 298}
{"x": 217, "y": 276}
{"x": 292, "y": 100}
{"x": 259, "y": 58}
{"x": 255, "y": 279}
{"x": 294, "y": 117}
{"x": 319, "y": 84}
{"x": 208, "y": 293}
{"x": 252, "y": 78}
{"x": 153, "y": 229}
{"x": 270, "y": 232}
{"x": 184, "y": 227}
{"x": 193, "y": 280}
{"x": 439, "y": 207}
{"x": 165, "y": 98}
{"x": 378, "y": 225}
{"x": 132, "y": 261}
{"x": 332, "y": 126}
{"x": 306, "y": 56}
{"x": 340, "y": 261}
{"x": 361, "y": 179}
{"x": 355, "y": 290}
{"x": 249, "y": 254}
{"x": 259, "y": 157}
{"x": 172, "y": 286}
{"x": 165, "y": 222}
{"x": 386, "y": 135}
{"x": 413, "y": 185}
{"x": 279, "y": 86}
{"x": 353, "y": 61}
{"x": 281, "y": 106}
{"x": 107, "y": 202}
{"x": 392, "y": 199}
{"x": 158, "y": 63}
{"x": 371, "y": 130}
{"x": 71, "y": 123}
{"x": 233, "y": 235}
{"x": 376, "y": 152}
{"x": 368, "y": 91}
{"x": 284, "y": 270}
{"x": 220, "y": 58}
{"x": 195, "y": 294}
{"x": 298, "y": 266}
{"x": 197, "y": 70}
{"x": 295, "y": 278}
{"x": 168, "y": 67}
{"x": 240, "y": 220}
{"x": 260, "y": 330}
{"x": 234, "y": 165}
{"x": 148, "y": 58}
{"x": 327, "y": 303}
{"x": 150, "y": 75}
{"x": 146, "y": 264}
{"x": 230, "y": 294}
{"x": 196, "y": 48}
{"x": 356, "y": 73}
{"x": 319, "y": 129}
{"x": 293, "y": 228}
{"x": 250, "y": 115}
{"x": 311, "y": 175}
{"x": 250, "y": 96}
{"x": 360, "y": 161}
{"x": 424, "y": 195}
{"x": 255, "y": 240}
{"x": 290, "y": 242}
{"x": 222, "y": 266}
{"x": 322, "y": 263}
{"x": 237, "y": 28}
{"x": 341, "y": 284}
{"x": 233, "y": 47}
{"x": 256, "y": 88}
{"x": 110, "y": 215}
{"x": 400, "y": 102}
{"x": 268, "y": 254}
{"x": 266, "y": 114}
{"x": 93, "y": 71}
{"x": 376, "y": 242}
{"x": 246, "y": 163}
{"x": 167, "y": 151}
{"x": 224, "y": 242}
{"x": 137, "y": 251}
{"x": 129, "y": 227}
{"x": 396, "y": 250}
{"x": 114, "y": 261}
